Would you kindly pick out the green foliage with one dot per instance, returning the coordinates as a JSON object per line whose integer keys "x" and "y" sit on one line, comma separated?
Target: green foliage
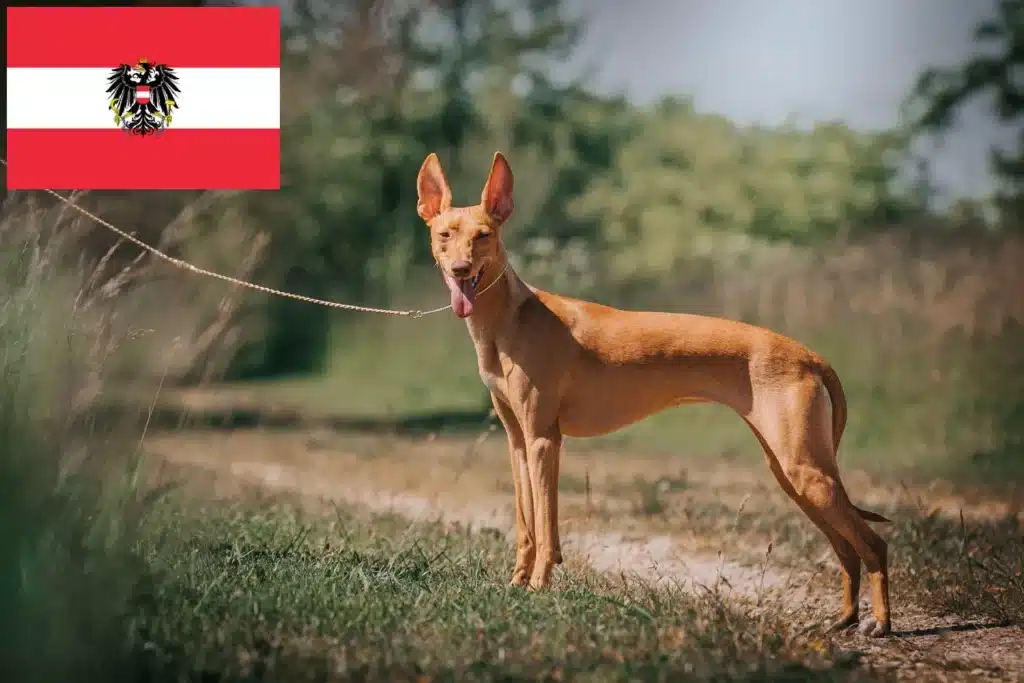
{"x": 995, "y": 70}
{"x": 343, "y": 224}
{"x": 683, "y": 179}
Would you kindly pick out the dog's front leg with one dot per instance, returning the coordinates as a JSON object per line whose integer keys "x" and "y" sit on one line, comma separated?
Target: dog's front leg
{"x": 526, "y": 545}
{"x": 542, "y": 453}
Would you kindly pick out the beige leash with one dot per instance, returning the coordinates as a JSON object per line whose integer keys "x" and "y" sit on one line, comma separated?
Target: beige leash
{"x": 414, "y": 313}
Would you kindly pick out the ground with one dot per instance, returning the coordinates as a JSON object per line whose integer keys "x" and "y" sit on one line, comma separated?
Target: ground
{"x": 703, "y": 527}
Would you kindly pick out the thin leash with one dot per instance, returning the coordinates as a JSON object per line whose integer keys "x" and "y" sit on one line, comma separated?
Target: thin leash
{"x": 184, "y": 265}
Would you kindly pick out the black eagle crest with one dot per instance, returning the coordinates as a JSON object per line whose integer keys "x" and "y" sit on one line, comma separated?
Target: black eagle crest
{"x": 127, "y": 89}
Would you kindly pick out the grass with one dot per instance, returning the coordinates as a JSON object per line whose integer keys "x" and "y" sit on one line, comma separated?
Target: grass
{"x": 269, "y": 592}
{"x": 67, "y": 570}
{"x": 927, "y": 340}
{"x": 972, "y": 569}
{"x": 70, "y": 510}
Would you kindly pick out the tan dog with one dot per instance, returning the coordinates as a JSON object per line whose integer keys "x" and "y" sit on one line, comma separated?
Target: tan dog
{"x": 562, "y": 367}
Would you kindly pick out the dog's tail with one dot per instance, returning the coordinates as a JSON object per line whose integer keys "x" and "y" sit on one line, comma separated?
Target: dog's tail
{"x": 838, "y": 397}
{"x": 872, "y": 516}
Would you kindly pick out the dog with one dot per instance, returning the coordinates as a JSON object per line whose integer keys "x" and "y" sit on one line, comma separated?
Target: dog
{"x": 557, "y": 367}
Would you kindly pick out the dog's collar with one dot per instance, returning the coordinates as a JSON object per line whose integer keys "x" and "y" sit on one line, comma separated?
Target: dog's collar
{"x": 495, "y": 280}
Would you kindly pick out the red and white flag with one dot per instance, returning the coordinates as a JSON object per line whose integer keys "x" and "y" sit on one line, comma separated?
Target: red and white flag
{"x": 143, "y": 98}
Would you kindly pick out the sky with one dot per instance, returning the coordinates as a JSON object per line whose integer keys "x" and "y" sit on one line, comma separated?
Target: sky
{"x": 764, "y": 60}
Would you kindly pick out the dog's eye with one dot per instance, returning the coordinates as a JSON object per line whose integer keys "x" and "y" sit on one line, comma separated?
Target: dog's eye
{"x": 482, "y": 235}
{"x": 444, "y": 234}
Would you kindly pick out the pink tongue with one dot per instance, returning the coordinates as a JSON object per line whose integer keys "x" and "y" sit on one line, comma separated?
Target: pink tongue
{"x": 462, "y": 296}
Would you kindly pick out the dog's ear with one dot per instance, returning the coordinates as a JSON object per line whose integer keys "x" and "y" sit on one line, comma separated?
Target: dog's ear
{"x": 435, "y": 197}
{"x": 496, "y": 198}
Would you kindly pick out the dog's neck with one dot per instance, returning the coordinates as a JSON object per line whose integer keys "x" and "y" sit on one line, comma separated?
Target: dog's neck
{"x": 491, "y": 309}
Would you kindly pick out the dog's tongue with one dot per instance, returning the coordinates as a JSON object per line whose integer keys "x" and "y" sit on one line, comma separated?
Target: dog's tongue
{"x": 462, "y": 296}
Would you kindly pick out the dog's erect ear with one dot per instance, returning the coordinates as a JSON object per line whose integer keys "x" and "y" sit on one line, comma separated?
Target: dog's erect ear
{"x": 435, "y": 197}
{"x": 496, "y": 198}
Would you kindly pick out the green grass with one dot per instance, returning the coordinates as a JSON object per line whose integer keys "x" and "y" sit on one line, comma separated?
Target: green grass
{"x": 67, "y": 566}
{"x": 270, "y": 593}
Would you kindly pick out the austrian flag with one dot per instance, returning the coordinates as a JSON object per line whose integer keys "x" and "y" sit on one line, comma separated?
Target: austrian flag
{"x": 143, "y": 98}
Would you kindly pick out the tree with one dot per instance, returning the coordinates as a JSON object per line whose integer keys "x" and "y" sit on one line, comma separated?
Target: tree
{"x": 997, "y": 70}
{"x": 685, "y": 182}
{"x": 370, "y": 87}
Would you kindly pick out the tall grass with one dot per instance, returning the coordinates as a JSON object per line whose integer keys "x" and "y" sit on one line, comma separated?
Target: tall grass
{"x": 70, "y": 509}
{"x": 66, "y": 541}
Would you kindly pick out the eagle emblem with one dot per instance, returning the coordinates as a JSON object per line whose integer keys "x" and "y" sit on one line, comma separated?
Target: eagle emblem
{"x": 142, "y": 97}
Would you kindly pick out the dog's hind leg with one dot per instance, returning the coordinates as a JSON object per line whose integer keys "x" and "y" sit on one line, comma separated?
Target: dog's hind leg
{"x": 835, "y": 507}
{"x": 795, "y": 423}
{"x": 849, "y": 560}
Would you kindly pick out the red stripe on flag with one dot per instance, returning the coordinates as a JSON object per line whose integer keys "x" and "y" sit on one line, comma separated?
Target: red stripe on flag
{"x": 115, "y": 160}
{"x": 177, "y": 36}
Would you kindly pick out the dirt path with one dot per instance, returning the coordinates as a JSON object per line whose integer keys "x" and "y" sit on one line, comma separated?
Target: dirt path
{"x": 615, "y": 523}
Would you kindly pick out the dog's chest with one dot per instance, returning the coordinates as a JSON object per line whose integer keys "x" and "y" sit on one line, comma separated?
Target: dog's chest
{"x": 492, "y": 370}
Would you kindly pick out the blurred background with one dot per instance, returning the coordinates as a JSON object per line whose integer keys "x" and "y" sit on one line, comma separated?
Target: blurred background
{"x": 849, "y": 174}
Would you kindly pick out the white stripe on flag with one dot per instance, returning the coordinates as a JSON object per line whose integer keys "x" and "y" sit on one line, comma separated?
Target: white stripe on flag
{"x": 209, "y": 98}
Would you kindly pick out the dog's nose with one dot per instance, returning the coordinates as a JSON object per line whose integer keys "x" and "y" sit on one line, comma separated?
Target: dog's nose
{"x": 461, "y": 268}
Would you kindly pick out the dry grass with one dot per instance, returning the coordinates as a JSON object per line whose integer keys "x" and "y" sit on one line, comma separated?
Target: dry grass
{"x": 929, "y": 290}
{"x": 196, "y": 326}
{"x": 919, "y": 328}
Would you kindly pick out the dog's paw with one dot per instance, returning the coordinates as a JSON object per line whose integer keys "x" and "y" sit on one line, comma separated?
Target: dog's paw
{"x": 872, "y": 628}
{"x": 519, "y": 579}
{"x": 881, "y": 630}
{"x": 541, "y": 580}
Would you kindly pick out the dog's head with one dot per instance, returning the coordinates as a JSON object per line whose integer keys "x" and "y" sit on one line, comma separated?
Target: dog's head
{"x": 465, "y": 240}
